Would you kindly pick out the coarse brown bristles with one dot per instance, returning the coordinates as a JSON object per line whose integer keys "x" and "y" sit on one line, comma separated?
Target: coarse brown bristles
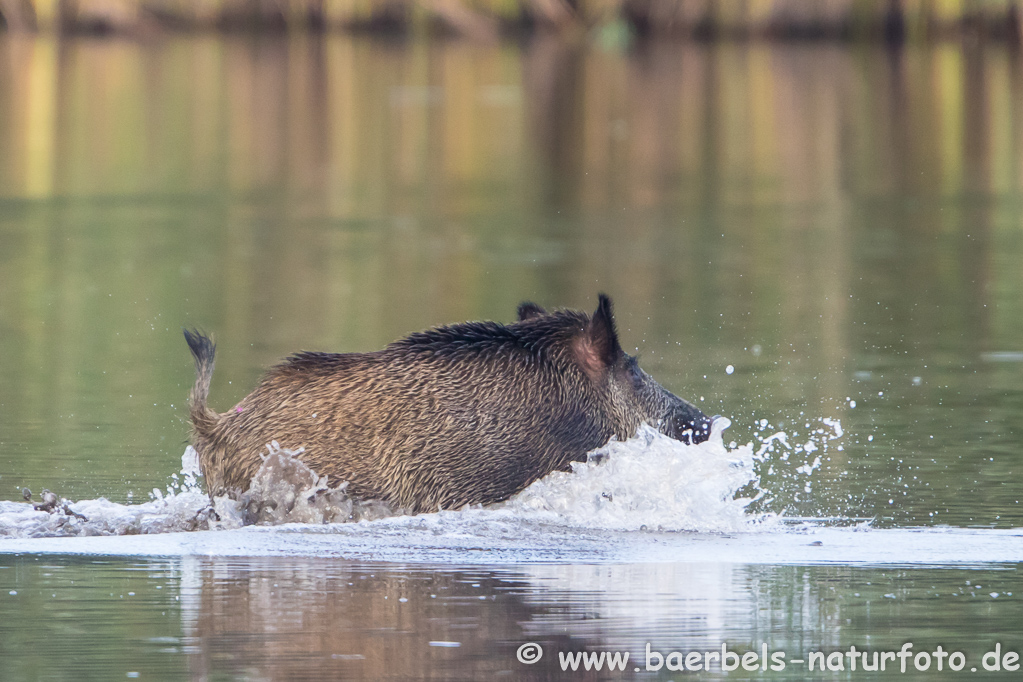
{"x": 462, "y": 414}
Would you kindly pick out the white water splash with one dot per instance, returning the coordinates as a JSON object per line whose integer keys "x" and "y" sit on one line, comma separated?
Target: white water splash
{"x": 787, "y": 469}
{"x": 179, "y": 512}
{"x": 649, "y": 482}
{"x": 286, "y": 490}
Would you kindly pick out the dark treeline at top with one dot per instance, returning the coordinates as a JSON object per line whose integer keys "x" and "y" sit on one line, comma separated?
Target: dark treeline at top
{"x": 613, "y": 21}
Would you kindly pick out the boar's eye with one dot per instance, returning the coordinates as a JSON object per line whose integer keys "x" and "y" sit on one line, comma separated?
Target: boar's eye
{"x": 633, "y": 371}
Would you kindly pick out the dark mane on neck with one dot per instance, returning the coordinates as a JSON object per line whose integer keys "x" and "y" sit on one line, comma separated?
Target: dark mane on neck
{"x": 532, "y": 335}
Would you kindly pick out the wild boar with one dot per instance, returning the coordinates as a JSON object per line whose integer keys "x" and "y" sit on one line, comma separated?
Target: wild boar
{"x": 462, "y": 414}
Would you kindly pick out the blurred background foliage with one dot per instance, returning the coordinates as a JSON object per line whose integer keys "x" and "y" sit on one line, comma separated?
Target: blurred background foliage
{"x": 892, "y": 20}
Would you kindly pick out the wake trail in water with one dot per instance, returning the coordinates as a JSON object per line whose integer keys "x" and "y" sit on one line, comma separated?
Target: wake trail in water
{"x": 648, "y": 499}
{"x": 649, "y": 482}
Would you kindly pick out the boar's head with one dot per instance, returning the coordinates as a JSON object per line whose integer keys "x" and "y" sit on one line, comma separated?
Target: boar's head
{"x": 625, "y": 394}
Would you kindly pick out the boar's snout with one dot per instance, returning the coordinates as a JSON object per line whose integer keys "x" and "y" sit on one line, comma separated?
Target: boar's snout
{"x": 688, "y": 424}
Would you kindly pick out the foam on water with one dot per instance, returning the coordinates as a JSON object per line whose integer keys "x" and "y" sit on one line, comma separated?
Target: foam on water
{"x": 626, "y": 504}
{"x": 649, "y": 482}
{"x": 166, "y": 514}
{"x": 284, "y": 490}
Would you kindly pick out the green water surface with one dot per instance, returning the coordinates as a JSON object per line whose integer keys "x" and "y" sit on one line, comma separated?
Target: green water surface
{"x": 790, "y": 233}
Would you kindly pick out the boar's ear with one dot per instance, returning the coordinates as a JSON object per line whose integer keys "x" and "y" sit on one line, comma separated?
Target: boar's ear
{"x": 529, "y": 310}
{"x": 598, "y": 348}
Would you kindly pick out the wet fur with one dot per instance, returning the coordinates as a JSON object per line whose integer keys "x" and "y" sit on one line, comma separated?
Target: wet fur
{"x": 463, "y": 414}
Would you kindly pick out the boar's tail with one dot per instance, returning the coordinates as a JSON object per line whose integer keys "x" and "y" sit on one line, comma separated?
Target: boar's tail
{"x": 203, "y": 350}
